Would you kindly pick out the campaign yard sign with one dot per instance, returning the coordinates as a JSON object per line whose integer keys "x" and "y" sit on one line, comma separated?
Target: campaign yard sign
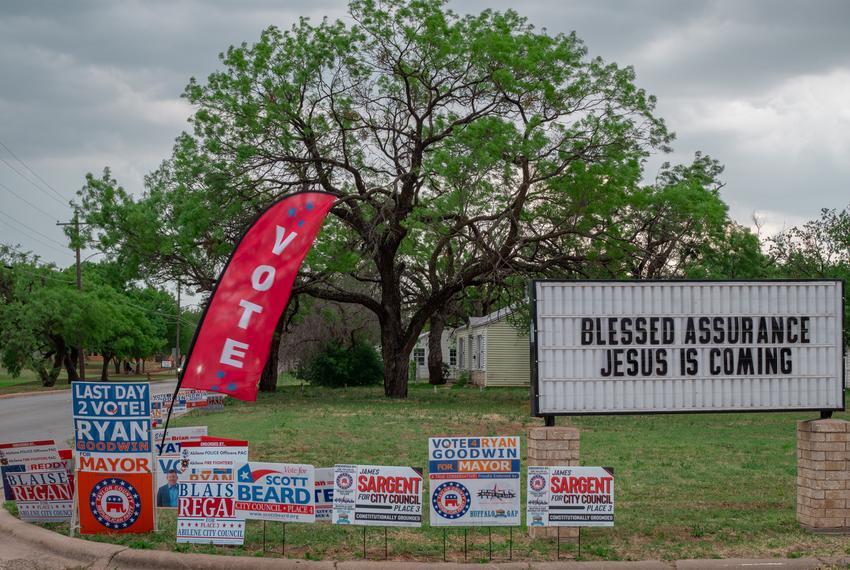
{"x": 112, "y": 431}
{"x": 16, "y": 456}
{"x": 206, "y": 510}
{"x": 36, "y": 479}
{"x": 115, "y": 502}
{"x": 115, "y": 470}
{"x": 474, "y": 481}
{"x": 282, "y": 492}
{"x": 570, "y": 496}
{"x": 377, "y": 495}
{"x": 42, "y": 495}
{"x": 324, "y": 494}
{"x": 168, "y": 462}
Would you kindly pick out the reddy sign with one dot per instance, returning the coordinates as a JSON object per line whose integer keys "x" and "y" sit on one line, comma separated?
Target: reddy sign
{"x": 570, "y": 496}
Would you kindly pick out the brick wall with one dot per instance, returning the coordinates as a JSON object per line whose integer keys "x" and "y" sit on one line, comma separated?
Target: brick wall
{"x": 553, "y": 446}
{"x": 823, "y": 475}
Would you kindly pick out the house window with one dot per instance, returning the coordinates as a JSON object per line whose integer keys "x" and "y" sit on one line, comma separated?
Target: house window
{"x": 480, "y": 351}
{"x": 419, "y": 356}
{"x": 462, "y": 354}
{"x": 473, "y": 362}
{"x": 452, "y": 356}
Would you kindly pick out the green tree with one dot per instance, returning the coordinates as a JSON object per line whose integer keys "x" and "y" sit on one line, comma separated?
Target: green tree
{"x": 461, "y": 149}
{"x": 817, "y": 249}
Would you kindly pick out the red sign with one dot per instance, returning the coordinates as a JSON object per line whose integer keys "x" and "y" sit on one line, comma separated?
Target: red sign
{"x": 115, "y": 502}
{"x": 232, "y": 344}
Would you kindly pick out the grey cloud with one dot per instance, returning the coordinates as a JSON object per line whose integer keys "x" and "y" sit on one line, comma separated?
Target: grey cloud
{"x": 92, "y": 83}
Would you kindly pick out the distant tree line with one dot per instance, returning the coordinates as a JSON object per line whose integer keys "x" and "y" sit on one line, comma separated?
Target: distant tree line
{"x": 44, "y": 318}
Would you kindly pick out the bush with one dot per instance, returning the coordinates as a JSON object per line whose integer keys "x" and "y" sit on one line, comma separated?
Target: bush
{"x": 338, "y": 365}
{"x": 462, "y": 380}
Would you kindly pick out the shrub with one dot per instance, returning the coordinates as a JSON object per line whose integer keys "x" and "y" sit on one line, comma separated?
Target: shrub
{"x": 338, "y": 365}
{"x": 462, "y": 380}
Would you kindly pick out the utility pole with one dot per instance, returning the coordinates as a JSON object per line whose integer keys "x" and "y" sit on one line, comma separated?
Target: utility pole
{"x": 76, "y": 223}
{"x": 177, "y": 364}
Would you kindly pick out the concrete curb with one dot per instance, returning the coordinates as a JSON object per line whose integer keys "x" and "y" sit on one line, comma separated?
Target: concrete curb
{"x": 102, "y": 556}
{"x": 43, "y": 540}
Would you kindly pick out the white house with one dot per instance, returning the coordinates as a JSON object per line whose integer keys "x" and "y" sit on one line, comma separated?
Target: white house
{"x": 490, "y": 349}
{"x": 420, "y": 354}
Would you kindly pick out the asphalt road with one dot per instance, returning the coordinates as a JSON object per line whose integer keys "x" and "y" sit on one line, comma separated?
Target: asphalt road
{"x": 46, "y": 415}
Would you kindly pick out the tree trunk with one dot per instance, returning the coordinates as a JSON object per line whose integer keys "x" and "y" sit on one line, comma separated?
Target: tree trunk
{"x": 104, "y": 371}
{"x": 117, "y": 362}
{"x": 268, "y": 380}
{"x": 435, "y": 350}
{"x": 70, "y": 361}
{"x": 396, "y": 367}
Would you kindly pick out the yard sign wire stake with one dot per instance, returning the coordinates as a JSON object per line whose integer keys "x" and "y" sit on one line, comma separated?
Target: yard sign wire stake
{"x": 464, "y": 544}
{"x": 264, "y": 537}
{"x": 490, "y": 542}
{"x": 511, "y": 543}
{"x": 444, "y": 544}
{"x": 364, "y": 542}
{"x": 579, "y": 542}
{"x": 558, "y": 542}
{"x": 283, "y": 542}
{"x": 386, "y": 550}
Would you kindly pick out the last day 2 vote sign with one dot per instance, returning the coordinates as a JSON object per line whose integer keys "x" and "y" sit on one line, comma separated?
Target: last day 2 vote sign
{"x": 112, "y": 427}
{"x": 474, "y": 481}
{"x": 112, "y": 439}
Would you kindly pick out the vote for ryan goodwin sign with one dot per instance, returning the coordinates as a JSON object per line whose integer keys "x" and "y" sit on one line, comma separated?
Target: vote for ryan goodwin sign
{"x": 608, "y": 347}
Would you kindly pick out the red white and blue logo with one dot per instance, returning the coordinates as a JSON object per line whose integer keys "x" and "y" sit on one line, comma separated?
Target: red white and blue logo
{"x": 115, "y": 503}
{"x": 245, "y": 475}
{"x": 344, "y": 481}
{"x": 537, "y": 483}
{"x": 451, "y": 500}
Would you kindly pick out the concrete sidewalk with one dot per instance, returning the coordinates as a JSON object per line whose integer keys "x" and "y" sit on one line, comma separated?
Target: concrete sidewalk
{"x": 28, "y": 547}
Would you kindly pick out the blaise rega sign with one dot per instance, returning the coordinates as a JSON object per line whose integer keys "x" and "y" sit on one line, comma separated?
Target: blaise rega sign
{"x": 602, "y": 347}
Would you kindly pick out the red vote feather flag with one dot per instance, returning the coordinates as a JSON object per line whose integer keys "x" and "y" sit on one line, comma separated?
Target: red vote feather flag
{"x": 232, "y": 342}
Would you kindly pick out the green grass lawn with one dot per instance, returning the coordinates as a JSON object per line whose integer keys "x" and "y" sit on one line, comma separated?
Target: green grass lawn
{"x": 687, "y": 486}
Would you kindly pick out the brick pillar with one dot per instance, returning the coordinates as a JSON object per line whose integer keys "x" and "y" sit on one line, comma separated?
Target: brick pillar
{"x": 823, "y": 475}
{"x": 553, "y": 446}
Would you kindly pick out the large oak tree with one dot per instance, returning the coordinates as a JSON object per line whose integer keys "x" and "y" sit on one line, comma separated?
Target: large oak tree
{"x": 462, "y": 149}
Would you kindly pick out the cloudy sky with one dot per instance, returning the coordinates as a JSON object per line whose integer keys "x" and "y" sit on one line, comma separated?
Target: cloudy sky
{"x": 762, "y": 86}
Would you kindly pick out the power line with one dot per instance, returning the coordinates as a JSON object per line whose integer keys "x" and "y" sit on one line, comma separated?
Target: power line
{"x": 44, "y": 243}
{"x": 34, "y": 173}
{"x": 25, "y": 200}
{"x": 27, "y": 228}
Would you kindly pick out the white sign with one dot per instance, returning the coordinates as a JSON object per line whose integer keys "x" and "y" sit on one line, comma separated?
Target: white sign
{"x": 607, "y": 347}
{"x": 377, "y": 495}
{"x": 570, "y": 496}
{"x": 15, "y": 457}
{"x": 282, "y": 492}
{"x": 324, "y": 494}
{"x": 169, "y": 464}
{"x": 474, "y": 481}
{"x": 206, "y": 510}
{"x": 37, "y": 480}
